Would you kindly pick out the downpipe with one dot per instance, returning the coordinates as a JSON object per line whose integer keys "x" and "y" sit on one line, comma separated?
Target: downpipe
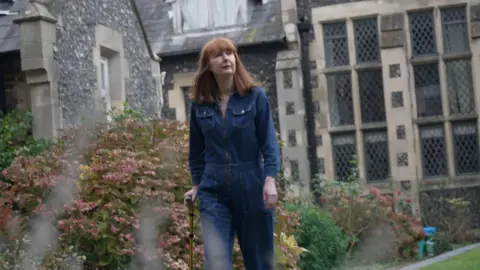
{"x": 304, "y": 26}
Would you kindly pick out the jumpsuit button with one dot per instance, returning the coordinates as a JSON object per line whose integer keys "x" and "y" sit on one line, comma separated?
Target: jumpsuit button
{"x": 243, "y": 111}
{"x": 204, "y": 112}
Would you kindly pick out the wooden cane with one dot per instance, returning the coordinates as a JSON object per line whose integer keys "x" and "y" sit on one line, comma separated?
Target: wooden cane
{"x": 190, "y": 236}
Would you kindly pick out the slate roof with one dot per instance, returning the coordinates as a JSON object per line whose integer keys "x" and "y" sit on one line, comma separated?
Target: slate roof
{"x": 265, "y": 26}
{"x": 9, "y": 31}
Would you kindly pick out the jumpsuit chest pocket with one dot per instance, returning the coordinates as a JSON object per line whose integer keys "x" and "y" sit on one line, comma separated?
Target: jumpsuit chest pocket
{"x": 206, "y": 118}
{"x": 242, "y": 116}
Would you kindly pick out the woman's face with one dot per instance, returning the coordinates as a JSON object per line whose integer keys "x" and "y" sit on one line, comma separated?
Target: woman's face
{"x": 223, "y": 63}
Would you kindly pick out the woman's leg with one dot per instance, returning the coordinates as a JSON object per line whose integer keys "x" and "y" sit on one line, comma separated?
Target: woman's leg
{"x": 255, "y": 236}
{"x": 255, "y": 224}
{"x": 217, "y": 230}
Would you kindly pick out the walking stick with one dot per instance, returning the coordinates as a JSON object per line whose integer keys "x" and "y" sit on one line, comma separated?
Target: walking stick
{"x": 190, "y": 236}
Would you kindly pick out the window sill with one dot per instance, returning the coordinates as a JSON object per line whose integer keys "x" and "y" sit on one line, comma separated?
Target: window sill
{"x": 460, "y": 117}
{"x": 429, "y": 120}
{"x": 454, "y": 182}
{"x": 441, "y": 119}
{"x": 339, "y": 69}
{"x": 473, "y": 177}
{"x": 439, "y": 180}
{"x": 373, "y": 126}
{"x": 424, "y": 59}
{"x": 384, "y": 186}
{"x": 458, "y": 55}
{"x": 211, "y": 30}
{"x": 342, "y": 129}
{"x": 368, "y": 65}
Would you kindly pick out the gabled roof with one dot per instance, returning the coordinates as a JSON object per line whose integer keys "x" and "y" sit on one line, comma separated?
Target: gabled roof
{"x": 136, "y": 11}
{"x": 9, "y": 31}
{"x": 265, "y": 26}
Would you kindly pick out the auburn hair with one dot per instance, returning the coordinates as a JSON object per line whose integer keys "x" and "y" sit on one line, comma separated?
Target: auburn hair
{"x": 204, "y": 88}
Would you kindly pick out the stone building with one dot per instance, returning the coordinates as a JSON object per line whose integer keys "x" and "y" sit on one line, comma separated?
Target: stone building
{"x": 72, "y": 59}
{"x": 388, "y": 82}
{"x": 397, "y": 90}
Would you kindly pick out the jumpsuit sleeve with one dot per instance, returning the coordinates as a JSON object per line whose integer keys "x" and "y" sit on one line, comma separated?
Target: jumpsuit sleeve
{"x": 196, "y": 158}
{"x": 267, "y": 137}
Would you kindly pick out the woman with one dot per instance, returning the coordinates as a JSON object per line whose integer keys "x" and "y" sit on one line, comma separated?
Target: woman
{"x": 231, "y": 129}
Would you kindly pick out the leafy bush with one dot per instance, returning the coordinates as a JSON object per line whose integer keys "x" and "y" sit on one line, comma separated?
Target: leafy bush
{"x": 450, "y": 213}
{"x": 287, "y": 250}
{"x": 14, "y": 256}
{"x": 129, "y": 177}
{"x": 356, "y": 213}
{"x": 442, "y": 244}
{"x": 350, "y": 211}
{"x": 325, "y": 241}
{"x": 409, "y": 230}
{"x": 16, "y": 138}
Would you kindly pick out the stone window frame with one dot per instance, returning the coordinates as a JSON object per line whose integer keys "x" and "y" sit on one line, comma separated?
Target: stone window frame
{"x": 447, "y": 120}
{"x": 357, "y": 129}
{"x": 104, "y": 85}
{"x": 187, "y": 101}
{"x": 176, "y": 95}
{"x": 109, "y": 48}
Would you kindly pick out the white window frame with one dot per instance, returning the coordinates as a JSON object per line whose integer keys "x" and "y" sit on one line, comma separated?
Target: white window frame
{"x": 105, "y": 84}
{"x": 177, "y": 15}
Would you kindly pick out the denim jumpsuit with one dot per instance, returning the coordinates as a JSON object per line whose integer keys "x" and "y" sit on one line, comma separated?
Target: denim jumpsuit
{"x": 229, "y": 159}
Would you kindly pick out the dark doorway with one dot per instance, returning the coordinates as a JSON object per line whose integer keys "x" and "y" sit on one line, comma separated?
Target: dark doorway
{"x": 3, "y": 96}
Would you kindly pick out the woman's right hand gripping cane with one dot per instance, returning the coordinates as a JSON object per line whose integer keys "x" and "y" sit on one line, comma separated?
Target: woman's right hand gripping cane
{"x": 190, "y": 197}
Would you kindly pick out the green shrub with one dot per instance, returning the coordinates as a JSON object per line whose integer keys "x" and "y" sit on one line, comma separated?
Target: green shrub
{"x": 14, "y": 256}
{"x": 16, "y": 138}
{"x": 356, "y": 213}
{"x": 442, "y": 244}
{"x": 317, "y": 233}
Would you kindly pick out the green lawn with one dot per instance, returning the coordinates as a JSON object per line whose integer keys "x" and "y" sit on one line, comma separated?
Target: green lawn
{"x": 467, "y": 261}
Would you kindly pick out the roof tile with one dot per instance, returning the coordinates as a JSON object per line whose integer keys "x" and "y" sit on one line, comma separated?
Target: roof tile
{"x": 265, "y": 26}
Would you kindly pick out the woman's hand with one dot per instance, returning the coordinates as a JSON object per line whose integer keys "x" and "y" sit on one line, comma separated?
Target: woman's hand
{"x": 270, "y": 192}
{"x": 190, "y": 197}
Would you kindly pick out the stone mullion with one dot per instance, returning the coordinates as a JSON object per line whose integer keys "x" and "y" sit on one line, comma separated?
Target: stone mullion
{"x": 474, "y": 22}
{"x": 444, "y": 94}
{"x": 360, "y": 148}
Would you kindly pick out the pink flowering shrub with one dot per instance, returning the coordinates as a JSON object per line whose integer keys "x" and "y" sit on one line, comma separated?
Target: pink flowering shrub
{"x": 115, "y": 171}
